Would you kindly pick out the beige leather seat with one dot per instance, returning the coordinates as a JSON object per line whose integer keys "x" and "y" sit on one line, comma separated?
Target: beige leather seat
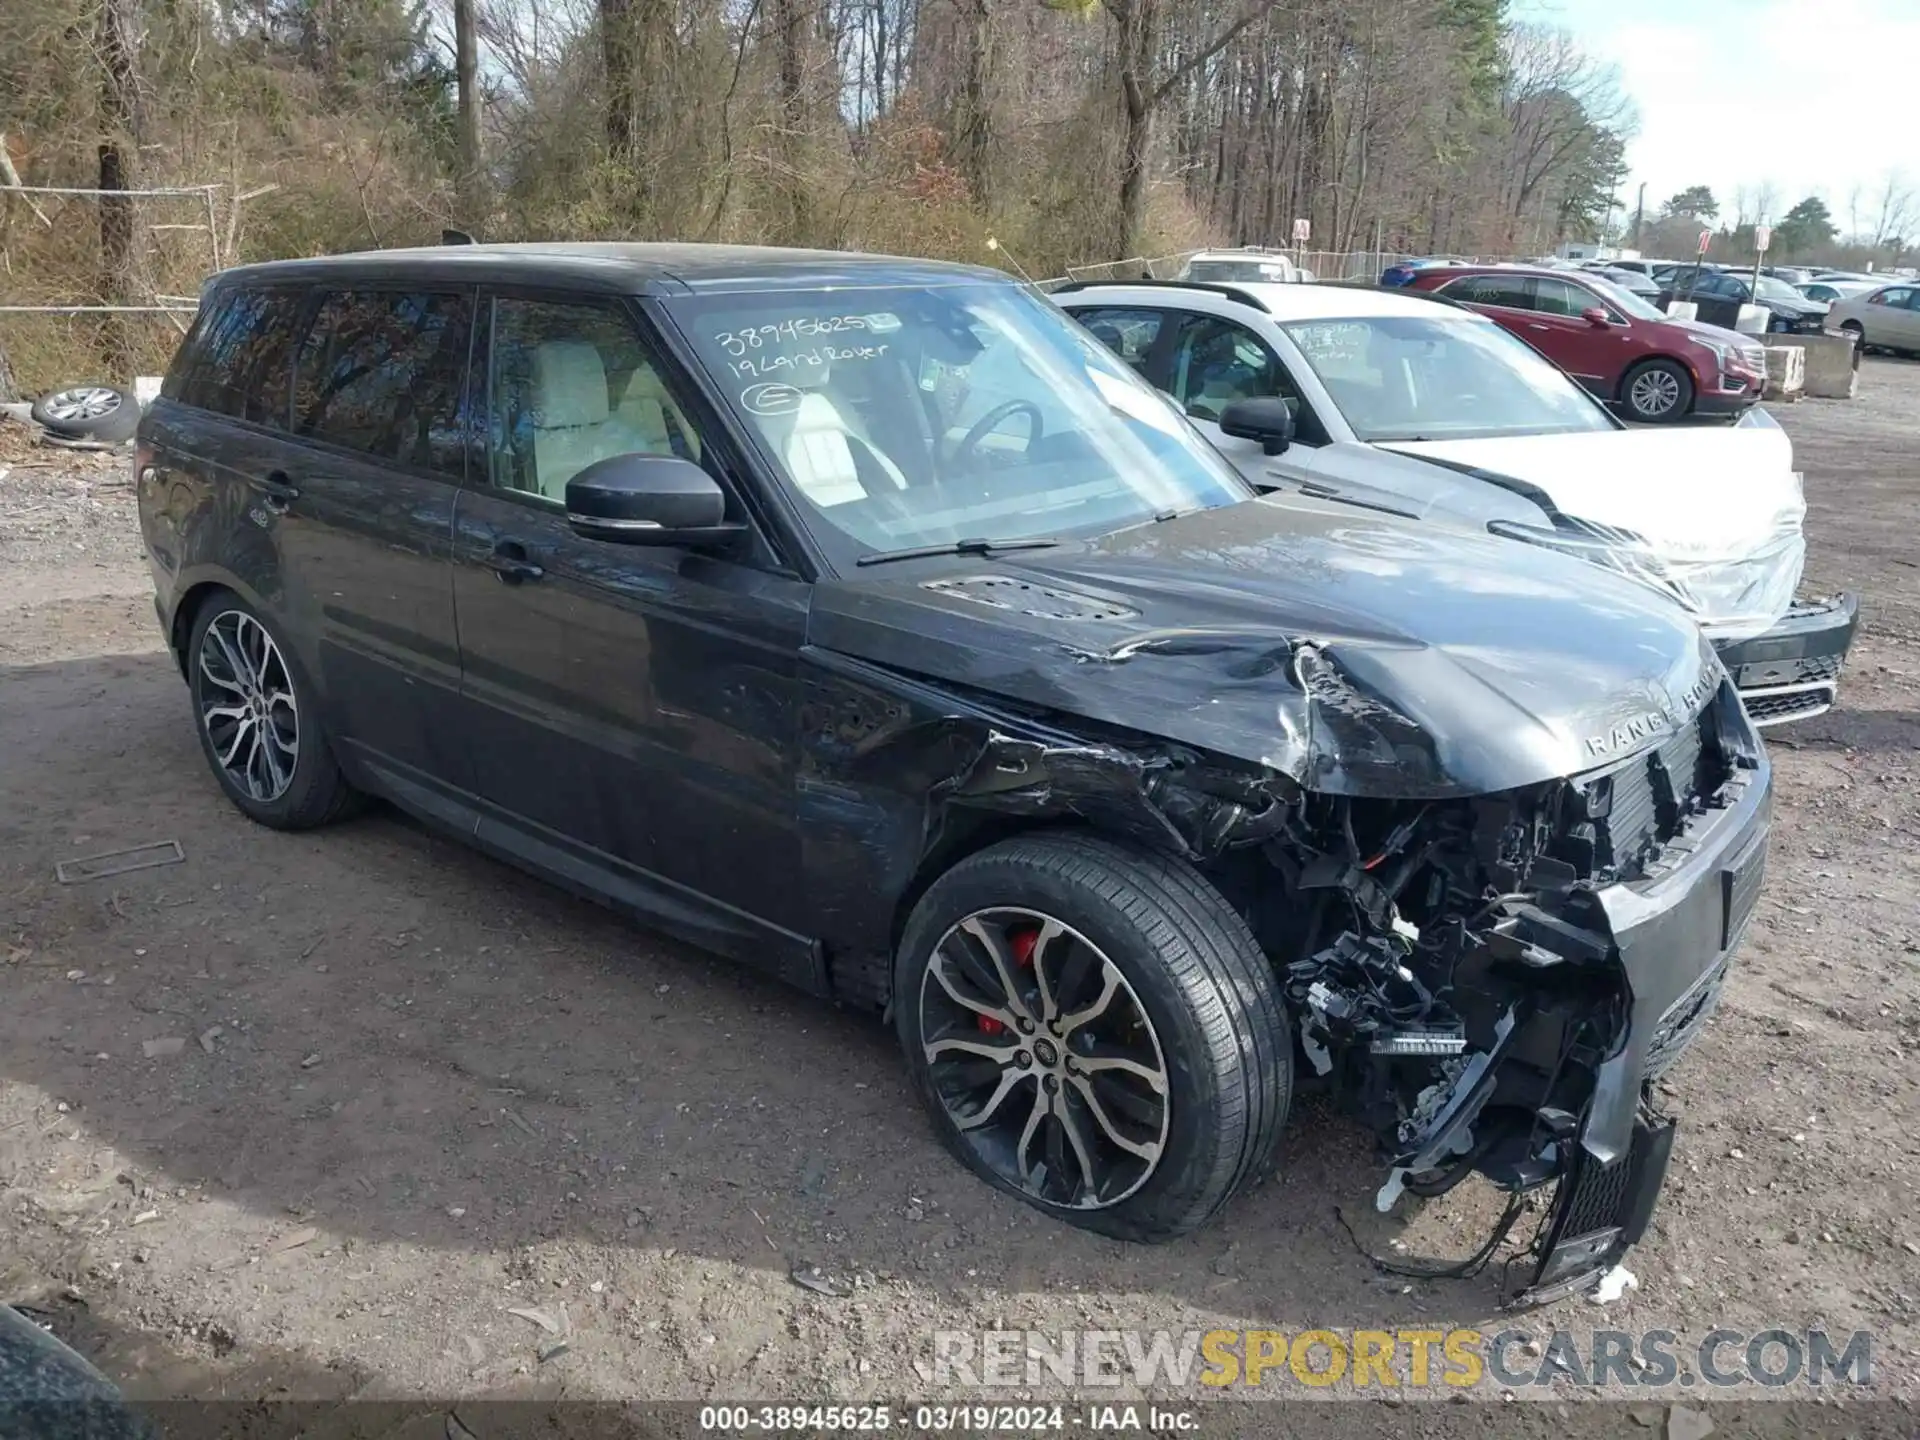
{"x": 815, "y": 439}
{"x": 650, "y": 413}
{"x": 571, "y": 414}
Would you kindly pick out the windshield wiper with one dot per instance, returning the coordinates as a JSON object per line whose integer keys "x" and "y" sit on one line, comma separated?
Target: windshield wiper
{"x": 955, "y": 547}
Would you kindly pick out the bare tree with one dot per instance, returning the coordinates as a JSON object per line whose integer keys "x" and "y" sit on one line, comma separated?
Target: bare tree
{"x": 1894, "y": 210}
{"x": 466, "y": 49}
{"x": 117, "y": 45}
{"x": 1145, "y": 79}
{"x": 616, "y": 49}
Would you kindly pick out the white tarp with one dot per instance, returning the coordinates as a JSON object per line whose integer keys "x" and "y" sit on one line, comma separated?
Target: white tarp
{"x": 1720, "y": 508}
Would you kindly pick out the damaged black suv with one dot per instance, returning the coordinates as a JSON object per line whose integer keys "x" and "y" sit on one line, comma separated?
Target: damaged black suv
{"x": 868, "y": 621}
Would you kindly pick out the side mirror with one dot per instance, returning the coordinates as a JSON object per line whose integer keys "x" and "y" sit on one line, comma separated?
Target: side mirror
{"x": 1266, "y": 419}
{"x": 1596, "y": 316}
{"x": 648, "y": 500}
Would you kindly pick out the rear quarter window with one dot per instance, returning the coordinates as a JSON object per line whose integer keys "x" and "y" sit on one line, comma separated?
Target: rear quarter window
{"x": 237, "y": 360}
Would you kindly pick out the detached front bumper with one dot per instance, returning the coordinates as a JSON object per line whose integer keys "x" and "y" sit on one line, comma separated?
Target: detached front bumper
{"x": 1675, "y": 935}
{"x": 1792, "y": 672}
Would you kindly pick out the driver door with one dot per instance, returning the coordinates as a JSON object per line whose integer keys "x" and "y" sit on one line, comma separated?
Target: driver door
{"x": 632, "y": 710}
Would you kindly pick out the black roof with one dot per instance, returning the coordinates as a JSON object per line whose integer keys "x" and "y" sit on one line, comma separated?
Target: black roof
{"x": 618, "y": 267}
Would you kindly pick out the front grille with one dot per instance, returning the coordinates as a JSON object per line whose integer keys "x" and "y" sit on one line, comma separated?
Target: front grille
{"x": 1651, "y": 793}
{"x": 1634, "y": 809}
{"x": 1791, "y": 702}
{"x": 1598, "y": 1193}
{"x": 1817, "y": 667}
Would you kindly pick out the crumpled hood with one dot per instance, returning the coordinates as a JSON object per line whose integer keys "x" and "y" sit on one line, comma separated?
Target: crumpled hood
{"x": 1357, "y": 654}
{"x": 1720, "y": 507}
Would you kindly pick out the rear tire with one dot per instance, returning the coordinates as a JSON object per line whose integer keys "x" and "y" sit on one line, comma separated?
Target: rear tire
{"x": 1657, "y": 392}
{"x": 1858, "y": 333}
{"x": 1137, "y": 974}
{"x": 257, "y": 721}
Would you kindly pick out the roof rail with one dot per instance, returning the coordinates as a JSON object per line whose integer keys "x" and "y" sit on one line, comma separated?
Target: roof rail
{"x": 1231, "y": 292}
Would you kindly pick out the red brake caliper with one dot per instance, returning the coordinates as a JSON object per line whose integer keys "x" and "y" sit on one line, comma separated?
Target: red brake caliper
{"x": 1021, "y": 942}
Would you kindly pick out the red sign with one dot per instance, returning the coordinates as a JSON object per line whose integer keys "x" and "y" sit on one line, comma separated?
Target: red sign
{"x": 1302, "y": 231}
{"x": 1706, "y": 239}
{"x": 1762, "y": 237}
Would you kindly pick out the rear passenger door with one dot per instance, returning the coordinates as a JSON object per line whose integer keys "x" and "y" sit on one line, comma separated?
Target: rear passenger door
{"x": 632, "y": 709}
{"x": 364, "y": 493}
{"x": 1592, "y": 354}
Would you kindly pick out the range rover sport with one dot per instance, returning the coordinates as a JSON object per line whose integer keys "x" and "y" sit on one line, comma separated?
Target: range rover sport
{"x": 867, "y": 621}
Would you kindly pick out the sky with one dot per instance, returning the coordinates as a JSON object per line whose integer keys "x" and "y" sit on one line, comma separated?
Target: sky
{"x": 1803, "y": 96}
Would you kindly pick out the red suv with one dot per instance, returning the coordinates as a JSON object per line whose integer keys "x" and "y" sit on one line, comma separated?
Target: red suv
{"x": 1617, "y": 345}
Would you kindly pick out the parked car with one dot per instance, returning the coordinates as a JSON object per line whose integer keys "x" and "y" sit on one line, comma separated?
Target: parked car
{"x": 1670, "y": 274}
{"x": 1855, "y": 275}
{"x": 51, "y": 1392}
{"x": 1401, "y": 272}
{"x": 1794, "y": 275}
{"x": 1887, "y": 316}
{"x": 1787, "y": 309}
{"x": 1634, "y": 282}
{"x": 1425, "y": 408}
{"x": 1622, "y": 348}
{"x": 1241, "y": 265}
{"x": 866, "y": 620}
{"x": 1828, "y": 291}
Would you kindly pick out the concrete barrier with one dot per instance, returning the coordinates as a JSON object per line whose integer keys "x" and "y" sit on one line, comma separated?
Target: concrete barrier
{"x": 1832, "y": 363}
{"x": 1786, "y": 373}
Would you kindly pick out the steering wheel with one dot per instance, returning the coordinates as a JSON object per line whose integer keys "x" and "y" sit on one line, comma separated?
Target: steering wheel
{"x": 994, "y": 418}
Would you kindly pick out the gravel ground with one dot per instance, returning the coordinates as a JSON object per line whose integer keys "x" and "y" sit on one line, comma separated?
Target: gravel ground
{"x": 316, "y": 1115}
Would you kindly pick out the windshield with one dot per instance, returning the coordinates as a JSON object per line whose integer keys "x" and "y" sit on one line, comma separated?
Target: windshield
{"x": 1421, "y": 377}
{"x": 913, "y": 416}
{"x": 1235, "y": 270}
{"x": 1624, "y": 300}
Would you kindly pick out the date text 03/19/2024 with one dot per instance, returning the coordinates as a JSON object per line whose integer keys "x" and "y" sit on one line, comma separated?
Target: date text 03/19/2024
{"x": 945, "y": 1419}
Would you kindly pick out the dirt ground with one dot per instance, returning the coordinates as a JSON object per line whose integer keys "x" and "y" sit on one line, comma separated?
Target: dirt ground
{"x": 415, "y": 1091}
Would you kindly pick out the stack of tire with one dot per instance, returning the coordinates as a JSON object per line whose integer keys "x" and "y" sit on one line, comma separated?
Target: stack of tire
{"x": 105, "y": 414}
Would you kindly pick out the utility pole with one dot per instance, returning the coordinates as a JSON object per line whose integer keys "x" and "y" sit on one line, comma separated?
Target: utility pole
{"x": 1639, "y": 214}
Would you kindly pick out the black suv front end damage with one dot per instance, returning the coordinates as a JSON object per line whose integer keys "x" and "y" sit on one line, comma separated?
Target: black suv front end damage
{"x": 1517, "y": 1036}
{"x": 1497, "y": 867}
{"x": 1491, "y": 983}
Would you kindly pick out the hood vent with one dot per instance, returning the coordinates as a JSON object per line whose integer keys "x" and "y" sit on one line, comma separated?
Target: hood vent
{"x": 1004, "y": 592}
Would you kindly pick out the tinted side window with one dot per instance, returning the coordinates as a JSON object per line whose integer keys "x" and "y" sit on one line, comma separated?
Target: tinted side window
{"x": 1557, "y": 297}
{"x": 1510, "y": 291}
{"x": 385, "y": 373}
{"x": 238, "y": 359}
{"x": 1128, "y": 333}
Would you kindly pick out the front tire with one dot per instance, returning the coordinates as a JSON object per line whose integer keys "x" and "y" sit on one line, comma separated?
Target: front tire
{"x": 257, "y": 724}
{"x": 1095, "y": 1031}
{"x": 1657, "y": 392}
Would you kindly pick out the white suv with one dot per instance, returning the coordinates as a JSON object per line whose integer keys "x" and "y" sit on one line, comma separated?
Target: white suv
{"x": 1407, "y": 402}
